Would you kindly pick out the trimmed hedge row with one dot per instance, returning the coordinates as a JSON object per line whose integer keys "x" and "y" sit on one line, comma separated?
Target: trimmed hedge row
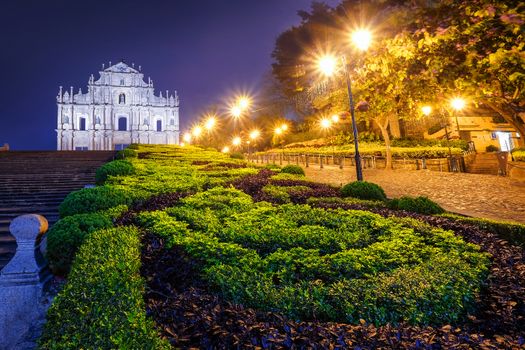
{"x": 102, "y": 305}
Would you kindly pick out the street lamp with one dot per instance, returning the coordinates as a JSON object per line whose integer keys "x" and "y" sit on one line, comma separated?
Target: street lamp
{"x": 236, "y": 141}
{"x": 196, "y": 132}
{"x": 457, "y": 103}
{"x": 226, "y": 149}
{"x": 325, "y": 123}
{"x": 335, "y": 118}
{"x": 187, "y": 137}
{"x": 210, "y": 123}
{"x": 328, "y": 64}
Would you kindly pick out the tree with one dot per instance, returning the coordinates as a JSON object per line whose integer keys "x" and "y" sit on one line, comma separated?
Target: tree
{"x": 478, "y": 49}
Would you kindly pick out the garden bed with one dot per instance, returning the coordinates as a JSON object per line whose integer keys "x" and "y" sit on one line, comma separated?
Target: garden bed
{"x": 232, "y": 257}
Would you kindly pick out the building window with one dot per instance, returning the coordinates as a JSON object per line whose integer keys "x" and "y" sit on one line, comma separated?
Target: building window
{"x": 172, "y": 121}
{"x": 146, "y": 121}
{"x": 120, "y": 146}
{"x": 159, "y": 125}
{"x": 121, "y": 81}
{"x": 82, "y": 148}
{"x": 82, "y": 123}
{"x": 121, "y": 98}
{"x": 122, "y": 124}
{"x": 98, "y": 120}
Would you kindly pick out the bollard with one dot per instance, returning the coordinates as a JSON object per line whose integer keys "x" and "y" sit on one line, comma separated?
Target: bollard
{"x": 423, "y": 163}
{"x": 281, "y": 159}
{"x": 306, "y": 160}
{"x": 341, "y": 162}
{"x": 320, "y": 162}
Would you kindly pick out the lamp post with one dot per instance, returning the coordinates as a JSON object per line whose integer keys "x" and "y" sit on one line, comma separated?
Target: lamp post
{"x": 327, "y": 65}
{"x": 457, "y": 103}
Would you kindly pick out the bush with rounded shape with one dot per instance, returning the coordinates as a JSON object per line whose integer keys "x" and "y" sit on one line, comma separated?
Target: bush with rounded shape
{"x": 89, "y": 200}
{"x": 421, "y": 205}
{"x": 363, "y": 190}
{"x": 114, "y": 168}
{"x": 65, "y": 237}
{"x": 126, "y": 153}
{"x": 236, "y": 155}
{"x": 292, "y": 169}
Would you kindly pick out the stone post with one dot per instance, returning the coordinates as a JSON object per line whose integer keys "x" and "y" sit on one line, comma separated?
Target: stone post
{"x": 21, "y": 284}
{"x": 306, "y": 160}
{"x": 320, "y": 162}
{"x": 341, "y": 162}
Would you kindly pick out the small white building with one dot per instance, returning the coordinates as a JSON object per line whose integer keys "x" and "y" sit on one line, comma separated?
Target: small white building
{"x": 118, "y": 109}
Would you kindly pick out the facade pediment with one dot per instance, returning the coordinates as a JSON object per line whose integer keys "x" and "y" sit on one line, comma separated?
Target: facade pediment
{"x": 121, "y": 67}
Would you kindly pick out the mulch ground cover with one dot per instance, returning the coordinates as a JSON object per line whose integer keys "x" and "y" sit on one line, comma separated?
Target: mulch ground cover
{"x": 190, "y": 315}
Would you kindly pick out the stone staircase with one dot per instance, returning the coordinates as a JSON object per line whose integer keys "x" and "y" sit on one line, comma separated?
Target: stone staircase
{"x": 484, "y": 163}
{"x": 37, "y": 182}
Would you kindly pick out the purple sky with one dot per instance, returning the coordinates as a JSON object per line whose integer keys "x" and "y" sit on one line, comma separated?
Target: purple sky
{"x": 204, "y": 49}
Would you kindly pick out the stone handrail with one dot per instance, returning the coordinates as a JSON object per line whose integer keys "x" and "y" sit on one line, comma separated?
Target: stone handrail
{"x": 22, "y": 281}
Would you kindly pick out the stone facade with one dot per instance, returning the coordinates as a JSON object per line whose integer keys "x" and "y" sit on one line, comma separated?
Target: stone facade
{"x": 118, "y": 109}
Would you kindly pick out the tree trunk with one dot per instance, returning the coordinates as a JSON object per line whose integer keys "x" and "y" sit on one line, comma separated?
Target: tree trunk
{"x": 509, "y": 118}
{"x": 386, "y": 137}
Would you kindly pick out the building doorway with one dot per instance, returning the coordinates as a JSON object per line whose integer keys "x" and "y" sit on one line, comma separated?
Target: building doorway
{"x": 505, "y": 141}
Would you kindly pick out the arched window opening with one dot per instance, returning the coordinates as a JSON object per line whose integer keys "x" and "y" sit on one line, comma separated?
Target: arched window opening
{"x": 172, "y": 121}
{"x": 159, "y": 125}
{"x": 122, "y": 124}
{"x": 82, "y": 123}
{"x": 121, "y": 81}
{"x": 121, "y": 98}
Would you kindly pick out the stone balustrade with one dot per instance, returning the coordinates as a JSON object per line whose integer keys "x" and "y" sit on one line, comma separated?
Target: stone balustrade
{"x": 22, "y": 281}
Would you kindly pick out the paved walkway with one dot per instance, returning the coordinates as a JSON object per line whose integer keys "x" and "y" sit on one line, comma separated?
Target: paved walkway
{"x": 485, "y": 196}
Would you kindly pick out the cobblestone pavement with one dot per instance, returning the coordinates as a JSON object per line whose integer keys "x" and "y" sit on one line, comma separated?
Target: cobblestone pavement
{"x": 486, "y": 196}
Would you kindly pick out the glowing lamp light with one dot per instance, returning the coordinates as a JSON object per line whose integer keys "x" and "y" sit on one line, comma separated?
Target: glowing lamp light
{"x": 284, "y": 127}
{"x": 210, "y": 123}
{"x": 255, "y": 134}
{"x": 236, "y": 111}
{"x": 182, "y": 144}
{"x": 362, "y": 39}
{"x": 426, "y": 110}
{"x": 458, "y": 103}
{"x": 335, "y": 118}
{"x": 197, "y": 131}
{"x": 226, "y": 149}
{"x": 187, "y": 137}
{"x": 328, "y": 65}
{"x": 278, "y": 131}
{"x": 325, "y": 123}
{"x": 243, "y": 103}
{"x": 236, "y": 141}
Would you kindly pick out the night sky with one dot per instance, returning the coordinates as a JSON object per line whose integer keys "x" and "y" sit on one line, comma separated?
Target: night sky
{"x": 204, "y": 49}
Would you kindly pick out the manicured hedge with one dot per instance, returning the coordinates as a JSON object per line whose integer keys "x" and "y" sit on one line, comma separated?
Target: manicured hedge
{"x": 292, "y": 169}
{"x": 114, "y": 168}
{"x": 514, "y": 233}
{"x": 89, "y": 200}
{"x": 421, "y": 205}
{"x": 102, "y": 305}
{"x": 363, "y": 190}
{"x": 65, "y": 236}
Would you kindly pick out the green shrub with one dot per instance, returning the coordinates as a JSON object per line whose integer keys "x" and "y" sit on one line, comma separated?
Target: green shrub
{"x": 422, "y": 205}
{"x": 492, "y": 148}
{"x": 514, "y": 233}
{"x": 102, "y": 304}
{"x": 126, "y": 153}
{"x": 114, "y": 168}
{"x": 89, "y": 200}
{"x": 65, "y": 237}
{"x": 236, "y": 155}
{"x": 292, "y": 169}
{"x": 363, "y": 190}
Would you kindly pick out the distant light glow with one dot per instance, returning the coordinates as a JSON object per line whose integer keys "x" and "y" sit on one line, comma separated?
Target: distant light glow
{"x": 187, "y": 137}
{"x": 236, "y": 111}
{"x": 210, "y": 123}
{"x": 182, "y": 144}
{"x": 426, "y": 110}
{"x": 243, "y": 102}
{"x": 335, "y": 118}
{"x": 326, "y": 123}
{"x": 362, "y": 39}
{"x": 284, "y": 127}
{"x": 458, "y": 103}
{"x": 236, "y": 141}
{"x": 255, "y": 134}
{"x": 327, "y": 65}
{"x": 278, "y": 131}
{"x": 197, "y": 131}
{"x": 226, "y": 149}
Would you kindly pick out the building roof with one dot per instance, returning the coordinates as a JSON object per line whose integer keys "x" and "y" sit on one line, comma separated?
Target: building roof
{"x": 121, "y": 67}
